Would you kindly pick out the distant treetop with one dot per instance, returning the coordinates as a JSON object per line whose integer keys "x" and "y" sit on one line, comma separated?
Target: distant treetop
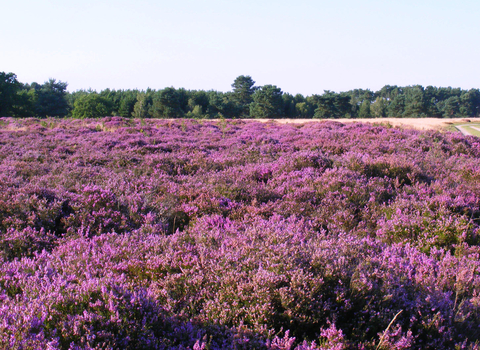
{"x": 244, "y": 101}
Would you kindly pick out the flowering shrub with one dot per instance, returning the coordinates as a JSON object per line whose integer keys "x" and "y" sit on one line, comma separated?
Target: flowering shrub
{"x": 201, "y": 235}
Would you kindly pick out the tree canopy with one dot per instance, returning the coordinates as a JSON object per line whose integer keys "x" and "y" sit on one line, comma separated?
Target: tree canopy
{"x": 9, "y": 88}
{"x": 243, "y": 90}
{"x": 267, "y": 102}
{"x": 244, "y": 101}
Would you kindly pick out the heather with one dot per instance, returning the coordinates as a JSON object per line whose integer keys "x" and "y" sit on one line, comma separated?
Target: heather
{"x": 156, "y": 234}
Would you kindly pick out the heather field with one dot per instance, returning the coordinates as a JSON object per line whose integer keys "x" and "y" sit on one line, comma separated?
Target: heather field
{"x": 153, "y": 234}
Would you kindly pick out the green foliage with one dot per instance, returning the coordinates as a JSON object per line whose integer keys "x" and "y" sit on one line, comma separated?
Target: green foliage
{"x": 243, "y": 90}
{"x": 127, "y": 104}
{"x": 197, "y": 104}
{"x": 364, "y": 111}
{"x": 415, "y": 103}
{"x": 396, "y": 107}
{"x": 303, "y": 107}
{"x": 25, "y": 104}
{"x": 450, "y": 107}
{"x": 169, "y": 103}
{"x": 331, "y": 105}
{"x": 304, "y": 110}
{"x": 91, "y": 106}
{"x": 378, "y": 109}
{"x": 51, "y": 99}
{"x": 221, "y": 104}
{"x": 140, "y": 109}
{"x": 196, "y": 113}
{"x": 267, "y": 102}
{"x": 9, "y": 86}
{"x": 289, "y": 105}
{"x": 245, "y": 100}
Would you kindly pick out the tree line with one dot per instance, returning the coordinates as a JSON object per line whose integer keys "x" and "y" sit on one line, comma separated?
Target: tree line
{"x": 244, "y": 101}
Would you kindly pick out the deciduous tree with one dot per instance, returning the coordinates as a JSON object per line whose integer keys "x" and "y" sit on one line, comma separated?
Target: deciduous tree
{"x": 91, "y": 106}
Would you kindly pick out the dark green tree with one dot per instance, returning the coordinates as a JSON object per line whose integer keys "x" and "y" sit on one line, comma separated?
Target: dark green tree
{"x": 450, "y": 107}
{"x": 143, "y": 107}
{"x": 267, "y": 102}
{"x": 221, "y": 105}
{"x": 9, "y": 86}
{"x": 126, "y": 106}
{"x": 364, "y": 110}
{"x": 51, "y": 99}
{"x": 332, "y": 105}
{"x": 415, "y": 104}
{"x": 91, "y": 105}
{"x": 304, "y": 110}
{"x": 243, "y": 90}
{"x": 388, "y": 92}
{"x": 470, "y": 103}
{"x": 378, "y": 109}
{"x": 289, "y": 104}
{"x": 396, "y": 106}
{"x": 197, "y": 104}
{"x": 167, "y": 103}
{"x": 25, "y": 103}
{"x": 431, "y": 102}
{"x": 114, "y": 98}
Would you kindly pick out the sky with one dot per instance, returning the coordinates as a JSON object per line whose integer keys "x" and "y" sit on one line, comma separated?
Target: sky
{"x": 301, "y": 46}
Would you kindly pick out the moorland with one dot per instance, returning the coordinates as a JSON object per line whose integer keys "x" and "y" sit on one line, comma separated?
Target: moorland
{"x": 232, "y": 234}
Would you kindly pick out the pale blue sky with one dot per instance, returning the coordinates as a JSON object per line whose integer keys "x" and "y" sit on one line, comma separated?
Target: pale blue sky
{"x": 302, "y": 46}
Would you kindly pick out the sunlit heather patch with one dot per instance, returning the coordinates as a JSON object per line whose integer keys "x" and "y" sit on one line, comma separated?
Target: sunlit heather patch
{"x": 184, "y": 234}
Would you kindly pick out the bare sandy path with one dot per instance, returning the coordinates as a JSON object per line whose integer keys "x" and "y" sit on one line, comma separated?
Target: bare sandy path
{"x": 476, "y": 128}
{"x": 463, "y": 130}
{"x": 416, "y": 123}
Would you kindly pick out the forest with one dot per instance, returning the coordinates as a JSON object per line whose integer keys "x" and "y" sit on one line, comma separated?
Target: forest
{"x": 246, "y": 100}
